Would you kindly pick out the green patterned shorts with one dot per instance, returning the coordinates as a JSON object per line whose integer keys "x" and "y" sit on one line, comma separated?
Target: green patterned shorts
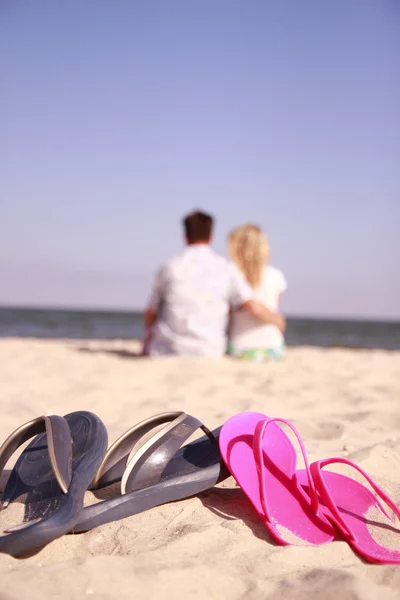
{"x": 257, "y": 354}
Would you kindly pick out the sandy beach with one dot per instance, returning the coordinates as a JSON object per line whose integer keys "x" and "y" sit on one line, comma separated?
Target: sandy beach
{"x": 344, "y": 402}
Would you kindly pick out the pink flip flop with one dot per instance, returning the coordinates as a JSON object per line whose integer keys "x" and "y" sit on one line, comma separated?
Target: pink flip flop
{"x": 262, "y": 459}
{"x": 356, "y": 512}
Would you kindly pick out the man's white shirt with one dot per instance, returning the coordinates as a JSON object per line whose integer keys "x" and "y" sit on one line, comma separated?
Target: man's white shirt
{"x": 192, "y": 295}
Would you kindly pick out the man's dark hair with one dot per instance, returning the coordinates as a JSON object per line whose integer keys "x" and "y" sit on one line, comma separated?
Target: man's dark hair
{"x": 198, "y": 227}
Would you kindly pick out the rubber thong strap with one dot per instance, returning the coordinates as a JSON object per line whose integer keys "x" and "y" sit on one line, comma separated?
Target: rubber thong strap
{"x": 329, "y": 501}
{"x": 59, "y": 444}
{"x": 258, "y": 451}
{"x": 139, "y": 464}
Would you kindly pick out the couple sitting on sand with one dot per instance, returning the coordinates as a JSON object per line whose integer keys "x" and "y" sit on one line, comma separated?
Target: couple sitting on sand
{"x": 199, "y": 297}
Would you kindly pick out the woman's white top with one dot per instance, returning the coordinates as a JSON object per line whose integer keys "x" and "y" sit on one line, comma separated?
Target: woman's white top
{"x": 246, "y": 331}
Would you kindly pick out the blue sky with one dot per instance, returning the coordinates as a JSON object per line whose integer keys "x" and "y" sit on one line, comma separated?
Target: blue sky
{"x": 117, "y": 118}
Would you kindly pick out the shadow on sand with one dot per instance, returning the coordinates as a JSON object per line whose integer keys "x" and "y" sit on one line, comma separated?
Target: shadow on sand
{"x": 127, "y": 354}
{"x": 231, "y": 504}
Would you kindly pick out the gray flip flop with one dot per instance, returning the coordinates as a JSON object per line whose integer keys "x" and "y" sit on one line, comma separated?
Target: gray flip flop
{"x": 54, "y": 472}
{"x": 156, "y": 471}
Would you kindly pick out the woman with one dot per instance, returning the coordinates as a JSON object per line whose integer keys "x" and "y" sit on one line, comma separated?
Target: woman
{"x": 248, "y": 339}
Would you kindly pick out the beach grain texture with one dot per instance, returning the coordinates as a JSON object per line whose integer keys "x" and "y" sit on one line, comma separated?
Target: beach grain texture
{"x": 344, "y": 403}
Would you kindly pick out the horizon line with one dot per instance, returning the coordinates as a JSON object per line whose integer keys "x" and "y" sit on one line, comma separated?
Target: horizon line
{"x": 122, "y": 309}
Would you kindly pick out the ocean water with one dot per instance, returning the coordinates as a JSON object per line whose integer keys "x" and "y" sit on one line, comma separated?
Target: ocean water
{"x": 108, "y": 325}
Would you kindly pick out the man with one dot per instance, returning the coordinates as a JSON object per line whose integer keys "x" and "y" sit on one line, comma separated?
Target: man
{"x": 192, "y": 295}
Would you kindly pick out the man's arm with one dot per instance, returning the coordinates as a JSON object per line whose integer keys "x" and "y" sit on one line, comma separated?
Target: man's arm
{"x": 150, "y": 317}
{"x": 156, "y": 296}
{"x": 262, "y": 313}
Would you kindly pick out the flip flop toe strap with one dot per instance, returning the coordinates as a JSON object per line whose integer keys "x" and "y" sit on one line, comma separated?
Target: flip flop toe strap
{"x": 258, "y": 450}
{"x": 139, "y": 464}
{"x": 323, "y": 490}
{"x": 59, "y": 443}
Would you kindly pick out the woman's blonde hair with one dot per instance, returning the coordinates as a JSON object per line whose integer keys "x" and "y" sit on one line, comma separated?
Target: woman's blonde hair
{"x": 249, "y": 249}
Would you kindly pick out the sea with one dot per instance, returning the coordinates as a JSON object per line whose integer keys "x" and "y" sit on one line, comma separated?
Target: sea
{"x": 122, "y": 325}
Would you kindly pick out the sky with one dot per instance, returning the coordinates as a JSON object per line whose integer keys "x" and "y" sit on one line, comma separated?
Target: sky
{"x": 118, "y": 118}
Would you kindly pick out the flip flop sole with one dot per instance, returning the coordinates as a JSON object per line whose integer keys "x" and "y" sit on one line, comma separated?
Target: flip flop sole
{"x": 292, "y": 520}
{"x": 376, "y": 538}
{"x": 194, "y": 469}
{"x": 49, "y": 513}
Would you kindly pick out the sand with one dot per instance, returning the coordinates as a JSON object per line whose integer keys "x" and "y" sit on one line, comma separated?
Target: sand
{"x": 344, "y": 402}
